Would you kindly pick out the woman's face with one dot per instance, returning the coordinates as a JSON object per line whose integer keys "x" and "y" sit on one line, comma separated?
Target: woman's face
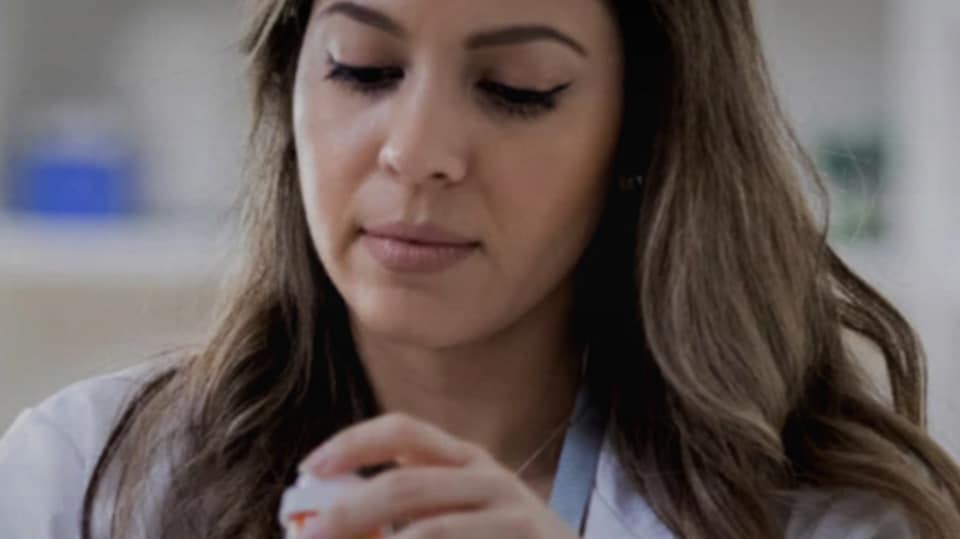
{"x": 453, "y": 156}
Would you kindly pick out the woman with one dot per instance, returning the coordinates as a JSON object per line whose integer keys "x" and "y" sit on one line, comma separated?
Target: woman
{"x": 552, "y": 258}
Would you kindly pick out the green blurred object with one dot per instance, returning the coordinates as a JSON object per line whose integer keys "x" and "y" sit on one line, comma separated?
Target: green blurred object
{"x": 856, "y": 166}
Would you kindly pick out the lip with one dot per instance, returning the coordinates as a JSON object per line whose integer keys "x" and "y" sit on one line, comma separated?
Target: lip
{"x": 424, "y": 233}
{"x": 416, "y": 248}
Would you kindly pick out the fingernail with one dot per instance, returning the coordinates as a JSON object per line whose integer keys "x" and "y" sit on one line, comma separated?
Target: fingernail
{"x": 316, "y": 463}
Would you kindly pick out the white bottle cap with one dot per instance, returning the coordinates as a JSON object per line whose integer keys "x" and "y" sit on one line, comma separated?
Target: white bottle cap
{"x": 310, "y": 494}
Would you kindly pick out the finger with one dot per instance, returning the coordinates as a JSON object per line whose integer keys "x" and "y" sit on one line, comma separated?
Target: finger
{"x": 406, "y": 495}
{"x": 504, "y": 524}
{"x": 391, "y": 437}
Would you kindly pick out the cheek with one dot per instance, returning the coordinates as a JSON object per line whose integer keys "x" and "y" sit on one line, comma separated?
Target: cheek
{"x": 550, "y": 196}
{"x": 334, "y": 152}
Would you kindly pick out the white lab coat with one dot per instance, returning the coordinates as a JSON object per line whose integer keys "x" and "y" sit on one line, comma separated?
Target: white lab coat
{"x": 48, "y": 454}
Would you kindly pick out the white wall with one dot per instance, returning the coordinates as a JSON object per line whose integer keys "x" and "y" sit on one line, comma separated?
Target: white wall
{"x": 925, "y": 54}
{"x": 829, "y": 61}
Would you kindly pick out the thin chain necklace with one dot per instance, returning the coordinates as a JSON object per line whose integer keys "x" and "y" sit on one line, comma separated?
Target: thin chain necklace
{"x": 543, "y": 447}
{"x": 584, "y": 359}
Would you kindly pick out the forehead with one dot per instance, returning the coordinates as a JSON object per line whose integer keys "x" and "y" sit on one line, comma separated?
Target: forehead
{"x": 588, "y": 20}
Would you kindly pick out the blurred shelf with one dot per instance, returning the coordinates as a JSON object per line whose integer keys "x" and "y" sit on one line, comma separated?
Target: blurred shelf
{"x": 148, "y": 252}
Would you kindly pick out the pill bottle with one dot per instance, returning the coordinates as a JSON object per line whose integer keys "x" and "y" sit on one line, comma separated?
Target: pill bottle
{"x": 310, "y": 496}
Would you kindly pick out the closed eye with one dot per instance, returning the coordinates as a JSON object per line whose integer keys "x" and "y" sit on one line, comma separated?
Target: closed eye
{"x": 364, "y": 79}
{"x": 372, "y": 80}
{"x": 520, "y": 101}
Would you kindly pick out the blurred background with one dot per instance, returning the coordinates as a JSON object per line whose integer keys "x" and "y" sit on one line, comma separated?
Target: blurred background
{"x": 122, "y": 125}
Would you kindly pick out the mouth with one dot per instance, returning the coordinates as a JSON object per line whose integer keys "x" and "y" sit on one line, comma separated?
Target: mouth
{"x": 416, "y": 248}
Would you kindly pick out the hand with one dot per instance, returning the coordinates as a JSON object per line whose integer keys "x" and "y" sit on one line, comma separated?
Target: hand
{"x": 444, "y": 487}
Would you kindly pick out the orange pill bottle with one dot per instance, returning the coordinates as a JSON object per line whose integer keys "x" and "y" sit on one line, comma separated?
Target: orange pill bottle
{"x": 309, "y": 497}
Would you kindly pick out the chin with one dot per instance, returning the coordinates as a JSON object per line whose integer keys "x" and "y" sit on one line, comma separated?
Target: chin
{"x": 404, "y": 318}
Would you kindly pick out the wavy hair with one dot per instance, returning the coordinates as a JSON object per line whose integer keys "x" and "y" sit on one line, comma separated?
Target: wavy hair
{"x": 715, "y": 310}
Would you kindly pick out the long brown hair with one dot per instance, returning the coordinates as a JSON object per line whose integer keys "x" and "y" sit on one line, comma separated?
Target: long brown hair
{"x": 715, "y": 310}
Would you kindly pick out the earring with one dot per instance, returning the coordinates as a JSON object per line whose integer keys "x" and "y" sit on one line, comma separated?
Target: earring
{"x": 630, "y": 183}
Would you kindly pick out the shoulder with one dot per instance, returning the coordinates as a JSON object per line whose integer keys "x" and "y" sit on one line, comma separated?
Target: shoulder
{"x": 618, "y": 511}
{"x": 85, "y": 412}
{"x": 48, "y": 454}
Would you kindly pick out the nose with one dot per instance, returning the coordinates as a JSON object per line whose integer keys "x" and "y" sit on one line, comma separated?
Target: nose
{"x": 426, "y": 140}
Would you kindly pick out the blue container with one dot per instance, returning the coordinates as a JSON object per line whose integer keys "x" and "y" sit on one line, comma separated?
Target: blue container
{"x": 47, "y": 183}
{"x": 73, "y": 166}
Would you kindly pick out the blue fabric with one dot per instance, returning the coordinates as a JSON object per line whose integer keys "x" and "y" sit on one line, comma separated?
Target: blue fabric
{"x": 580, "y": 455}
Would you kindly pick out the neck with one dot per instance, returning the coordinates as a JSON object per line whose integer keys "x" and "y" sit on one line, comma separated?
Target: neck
{"x": 507, "y": 393}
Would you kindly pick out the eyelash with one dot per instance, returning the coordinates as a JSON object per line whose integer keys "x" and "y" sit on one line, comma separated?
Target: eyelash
{"x": 513, "y": 101}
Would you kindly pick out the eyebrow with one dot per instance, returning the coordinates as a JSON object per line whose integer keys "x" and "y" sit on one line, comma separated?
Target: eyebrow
{"x": 510, "y": 35}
